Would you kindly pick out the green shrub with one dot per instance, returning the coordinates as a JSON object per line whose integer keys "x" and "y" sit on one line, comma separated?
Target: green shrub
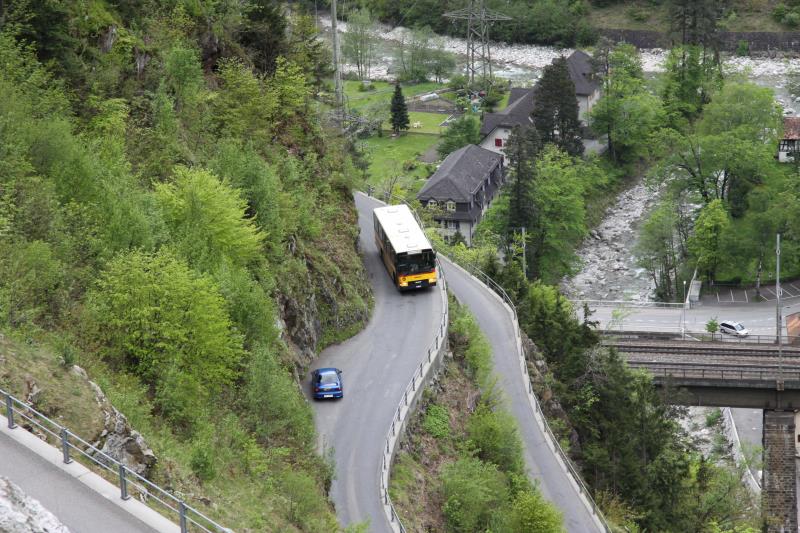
{"x": 32, "y": 285}
{"x": 531, "y": 513}
{"x": 493, "y": 433}
{"x": 638, "y": 13}
{"x": 473, "y": 491}
{"x": 743, "y": 48}
{"x": 713, "y": 418}
{"x": 437, "y": 421}
{"x": 202, "y": 460}
{"x": 276, "y": 408}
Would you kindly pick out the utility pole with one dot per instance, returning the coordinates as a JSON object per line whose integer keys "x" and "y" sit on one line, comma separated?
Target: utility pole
{"x": 479, "y": 55}
{"x": 337, "y": 69}
{"x": 778, "y": 318}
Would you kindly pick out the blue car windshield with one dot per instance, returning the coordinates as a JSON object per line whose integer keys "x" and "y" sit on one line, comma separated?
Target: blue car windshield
{"x": 328, "y": 378}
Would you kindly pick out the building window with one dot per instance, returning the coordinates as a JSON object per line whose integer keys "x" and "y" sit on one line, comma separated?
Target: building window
{"x": 432, "y": 204}
{"x": 451, "y": 206}
{"x": 498, "y": 142}
{"x": 787, "y": 145}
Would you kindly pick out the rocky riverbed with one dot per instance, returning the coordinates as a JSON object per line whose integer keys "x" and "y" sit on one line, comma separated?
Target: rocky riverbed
{"x": 609, "y": 270}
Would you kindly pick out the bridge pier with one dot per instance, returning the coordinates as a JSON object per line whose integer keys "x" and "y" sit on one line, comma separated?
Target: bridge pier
{"x": 779, "y": 481}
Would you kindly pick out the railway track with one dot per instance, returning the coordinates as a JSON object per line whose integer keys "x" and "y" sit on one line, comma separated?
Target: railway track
{"x": 702, "y": 349}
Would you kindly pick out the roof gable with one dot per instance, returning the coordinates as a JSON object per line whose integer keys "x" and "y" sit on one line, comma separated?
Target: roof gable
{"x": 460, "y": 174}
{"x": 517, "y": 112}
{"x": 579, "y": 65}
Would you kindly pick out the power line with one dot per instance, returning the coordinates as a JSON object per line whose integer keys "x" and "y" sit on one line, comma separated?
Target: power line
{"x": 479, "y": 57}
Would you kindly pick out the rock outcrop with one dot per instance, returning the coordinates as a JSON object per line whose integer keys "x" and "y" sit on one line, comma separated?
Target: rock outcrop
{"x": 117, "y": 439}
{"x": 19, "y": 513}
{"x": 538, "y": 370}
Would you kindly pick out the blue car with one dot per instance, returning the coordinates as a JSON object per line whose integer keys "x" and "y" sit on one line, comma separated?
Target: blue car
{"x": 326, "y": 383}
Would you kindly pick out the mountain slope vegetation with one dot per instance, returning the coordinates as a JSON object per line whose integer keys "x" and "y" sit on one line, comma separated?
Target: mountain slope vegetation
{"x": 176, "y": 218}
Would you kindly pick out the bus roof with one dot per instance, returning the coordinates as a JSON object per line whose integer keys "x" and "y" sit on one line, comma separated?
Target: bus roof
{"x": 402, "y": 229}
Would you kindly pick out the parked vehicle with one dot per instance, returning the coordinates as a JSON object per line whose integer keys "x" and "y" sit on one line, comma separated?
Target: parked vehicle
{"x": 733, "y": 328}
{"x": 326, "y": 383}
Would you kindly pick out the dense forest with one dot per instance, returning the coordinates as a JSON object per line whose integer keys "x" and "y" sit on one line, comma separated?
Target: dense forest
{"x": 176, "y": 218}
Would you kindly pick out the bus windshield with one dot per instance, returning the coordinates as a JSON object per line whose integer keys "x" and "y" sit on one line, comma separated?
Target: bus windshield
{"x": 415, "y": 263}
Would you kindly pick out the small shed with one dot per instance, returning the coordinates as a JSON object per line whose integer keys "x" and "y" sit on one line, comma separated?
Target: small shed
{"x": 790, "y": 141}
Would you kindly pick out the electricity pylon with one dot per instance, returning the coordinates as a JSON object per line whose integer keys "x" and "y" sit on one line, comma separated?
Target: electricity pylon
{"x": 479, "y": 57}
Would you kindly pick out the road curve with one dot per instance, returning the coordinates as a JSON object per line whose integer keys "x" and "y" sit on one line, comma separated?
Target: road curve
{"x": 377, "y": 365}
{"x": 77, "y": 506}
{"x": 543, "y": 465}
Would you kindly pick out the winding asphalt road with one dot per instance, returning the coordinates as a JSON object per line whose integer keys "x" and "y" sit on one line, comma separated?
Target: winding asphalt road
{"x": 377, "y": 365}
{"x": 543, "y": 466}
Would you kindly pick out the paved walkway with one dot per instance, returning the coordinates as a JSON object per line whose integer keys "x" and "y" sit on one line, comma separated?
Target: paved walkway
{"x": 80, "y": 499}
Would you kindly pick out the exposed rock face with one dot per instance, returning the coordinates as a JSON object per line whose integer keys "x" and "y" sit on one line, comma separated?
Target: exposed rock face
{"x": 20, "y": 513}
{"x": 118, "y": 440}
{"x": 537, "y": 368}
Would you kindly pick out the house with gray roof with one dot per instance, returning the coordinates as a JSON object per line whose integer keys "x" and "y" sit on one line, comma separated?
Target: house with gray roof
{"x": 496, "y": 127}
{"x": 462, "y": 188}
{"x": 587, "y": 85}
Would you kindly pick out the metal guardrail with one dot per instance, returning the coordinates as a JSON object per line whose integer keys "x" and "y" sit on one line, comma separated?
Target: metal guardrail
{"x": 189, "y": 518}
{"x": 413, "y": 390}
{"x": 555, "y": 445}
{"x": 411, "y": 394}
{"x": 628, "y": 303}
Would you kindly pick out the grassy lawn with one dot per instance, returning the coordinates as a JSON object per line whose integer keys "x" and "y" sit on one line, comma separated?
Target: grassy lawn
{"x": 388, "y": 155}
{"x": 383, "y": 92}
{"x": 429, "y": 122}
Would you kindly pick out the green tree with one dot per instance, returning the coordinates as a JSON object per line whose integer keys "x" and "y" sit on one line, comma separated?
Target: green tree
{"x": 531, "y": 513}
{"x": 359, "y": 44}
{"x": 473, "y": 491}
{"x": 705, "y": 244}
{"x": 494, "y": 435}
{"x": 626, "y": 112}
{"x": 399, "y": 110}
{"x": 208, "y": 219}
{"x": 658, "y": 250}
{"x": 461, "y": 132}
{"x": 555, "y": 110}
{"x": 153, "y": 315}
{"x": 561, "y": 219}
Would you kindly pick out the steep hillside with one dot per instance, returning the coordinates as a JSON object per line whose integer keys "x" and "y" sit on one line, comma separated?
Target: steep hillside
{"x": 176, "y": 218}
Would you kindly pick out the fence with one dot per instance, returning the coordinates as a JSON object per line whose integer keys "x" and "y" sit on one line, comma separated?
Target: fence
{"x": 422, "y": 376}
{"x": 129, "y": 482}
{"x": 424, "y": 373}
{"x": 393, "y": 436}
{"x": 628, "y": 303}
{"x": 551, "y": 439}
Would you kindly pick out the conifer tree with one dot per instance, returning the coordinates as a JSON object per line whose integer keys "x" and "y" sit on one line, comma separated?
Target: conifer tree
{"x": 399, "y": 110}
{"x": 555, "y": 110}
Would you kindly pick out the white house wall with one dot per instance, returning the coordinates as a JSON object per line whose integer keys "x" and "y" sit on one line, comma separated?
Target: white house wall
{"x": 497, "y": 133}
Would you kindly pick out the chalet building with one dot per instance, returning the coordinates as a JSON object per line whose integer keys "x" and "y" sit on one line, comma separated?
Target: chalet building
{"x": 462, "y": 188}
{"x": 790, "y": 141}
{"x": 496, "y": 127}
{"x": 587, "y": 86}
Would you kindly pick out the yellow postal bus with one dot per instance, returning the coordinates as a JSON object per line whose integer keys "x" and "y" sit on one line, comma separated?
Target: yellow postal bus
{"x": 404, "y": 248}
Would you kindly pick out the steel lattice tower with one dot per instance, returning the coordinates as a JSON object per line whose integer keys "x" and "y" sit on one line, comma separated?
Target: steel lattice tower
{"x": 479, "y": 56}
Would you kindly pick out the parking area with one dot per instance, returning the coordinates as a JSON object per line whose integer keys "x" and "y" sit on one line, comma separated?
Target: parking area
{"x": 727, "y": 294}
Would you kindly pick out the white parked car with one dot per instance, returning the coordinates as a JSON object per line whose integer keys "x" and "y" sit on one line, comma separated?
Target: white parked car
{"x": 733, "y": 328}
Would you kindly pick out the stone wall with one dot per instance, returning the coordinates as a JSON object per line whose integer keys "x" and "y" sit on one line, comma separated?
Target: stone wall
{"x": 779, "y": 484}
{"x": 758, "y": 41}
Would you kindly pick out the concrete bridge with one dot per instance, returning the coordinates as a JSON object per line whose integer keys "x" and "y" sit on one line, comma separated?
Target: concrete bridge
{"x": 757, "y": 374}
